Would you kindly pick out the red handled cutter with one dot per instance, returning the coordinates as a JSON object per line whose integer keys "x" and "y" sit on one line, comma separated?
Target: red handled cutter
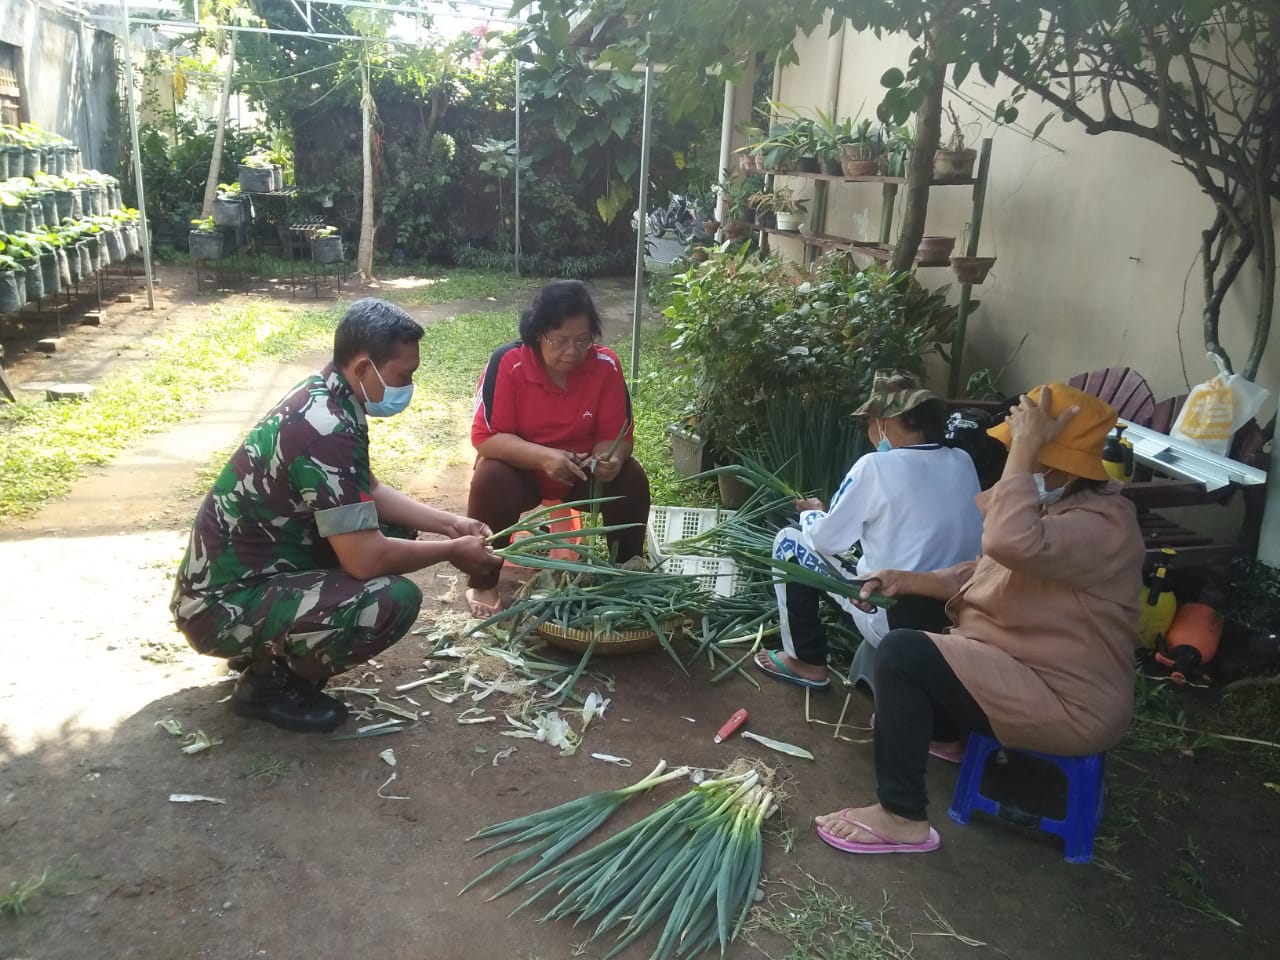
{"x": 730, "y": 726}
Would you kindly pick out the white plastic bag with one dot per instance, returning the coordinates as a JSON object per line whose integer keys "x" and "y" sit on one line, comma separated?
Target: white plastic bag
{"x": 1217, "y": 408}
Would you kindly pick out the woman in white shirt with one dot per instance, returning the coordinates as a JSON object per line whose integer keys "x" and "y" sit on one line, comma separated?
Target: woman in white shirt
{"x": 909, "y": 505}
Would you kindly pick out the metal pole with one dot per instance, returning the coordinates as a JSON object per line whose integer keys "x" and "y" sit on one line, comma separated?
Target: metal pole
{"x": 517, "y": 171}
{"x": 966, "y": 290}
{"x": 642, "y": 226}
{"x": 726, "y": 154}
{"x": 137, "y": 155}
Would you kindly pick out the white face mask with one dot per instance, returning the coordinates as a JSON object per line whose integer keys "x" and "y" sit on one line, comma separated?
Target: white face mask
{"x": 1047, "y": 496}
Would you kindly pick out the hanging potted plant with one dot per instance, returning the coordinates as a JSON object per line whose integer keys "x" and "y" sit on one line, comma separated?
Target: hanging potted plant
{"x": 204, "y": 240}
{"x": 858, "y": 156}
{"x": 255, "y": 174}
{"x": 971, "y": 269}
{"x": 13, "y": 283}
{"x": 326, "y": 245}
{"x": 954, "y": 160}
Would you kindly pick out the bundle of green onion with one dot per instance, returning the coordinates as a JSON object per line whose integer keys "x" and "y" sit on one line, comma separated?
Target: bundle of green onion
{"x": 695, "y": 863}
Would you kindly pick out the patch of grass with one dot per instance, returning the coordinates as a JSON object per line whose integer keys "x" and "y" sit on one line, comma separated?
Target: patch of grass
{"x": 23, "y": 893}
{"x": 422, "y": 284}
{"x": 434, "y": 433}
{"x": 820, "y": 923}
{"x": 44, "y": 446}
{"x": 658, "y": 403}
{"x": 1187, "y": 886}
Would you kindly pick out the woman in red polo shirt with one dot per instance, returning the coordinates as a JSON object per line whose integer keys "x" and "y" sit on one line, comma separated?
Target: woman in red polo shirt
{"x": 546, "y": 405}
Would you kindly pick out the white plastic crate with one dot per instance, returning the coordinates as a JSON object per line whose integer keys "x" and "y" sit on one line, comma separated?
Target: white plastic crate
{"x": 668, "y": 524}
{"x": 718, "y": 575}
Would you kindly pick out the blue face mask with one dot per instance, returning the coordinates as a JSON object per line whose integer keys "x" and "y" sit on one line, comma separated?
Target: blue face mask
{"x": 884, "y": 446}
{"x": 394, "y": 399}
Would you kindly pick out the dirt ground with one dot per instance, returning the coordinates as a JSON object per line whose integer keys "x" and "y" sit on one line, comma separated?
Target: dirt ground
{"x": 311, "y": 863}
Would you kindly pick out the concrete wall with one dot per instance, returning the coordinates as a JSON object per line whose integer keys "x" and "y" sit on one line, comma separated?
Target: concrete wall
{"x": 1094, "y": 241}
{"x": 68, "y": 78}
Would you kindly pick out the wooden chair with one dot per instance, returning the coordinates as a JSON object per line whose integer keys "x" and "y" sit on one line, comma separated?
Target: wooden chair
{"x": 1122, "y": 387}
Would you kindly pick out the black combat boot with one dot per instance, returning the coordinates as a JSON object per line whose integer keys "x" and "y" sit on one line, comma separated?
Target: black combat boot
{"x": 267, "y": 690}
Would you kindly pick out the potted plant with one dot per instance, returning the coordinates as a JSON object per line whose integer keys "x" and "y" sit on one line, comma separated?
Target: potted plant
{"x": 899, "y": 142}
{"x": 205, "y": 241}
{"x": 831, "y": 136}
{"x": 954, "y": 160}
{"x": 326, "y": 245}
{"x": 935, "y": 250}
{"x": 256, "y": 175}
{"x": 784, "y": 204}
{"x": 858, "y": 155}
{"x": 229, "y": 205}
{"x": 13, "y": 283}
{"x": 24, "y": 250}
{"x": 13, "y": 207}
{"x": 971, "y": 269}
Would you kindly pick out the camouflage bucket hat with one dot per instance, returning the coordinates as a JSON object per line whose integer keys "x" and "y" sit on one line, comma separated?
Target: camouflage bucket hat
{"x": 893, "y": 393}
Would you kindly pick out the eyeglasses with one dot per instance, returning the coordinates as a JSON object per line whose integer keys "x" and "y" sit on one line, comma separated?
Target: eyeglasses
{"x": 564, "y": 343}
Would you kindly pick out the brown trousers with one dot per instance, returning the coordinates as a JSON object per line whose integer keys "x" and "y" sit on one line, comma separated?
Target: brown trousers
{"x": 500, "y": 493}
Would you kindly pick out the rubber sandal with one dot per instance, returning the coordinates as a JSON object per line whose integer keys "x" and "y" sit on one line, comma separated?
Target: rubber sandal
{"x": 881, "y": 844}
{"x": 947, "y": 756}
{"x": 779, "y": 671}
{"x": 481, "y": 611}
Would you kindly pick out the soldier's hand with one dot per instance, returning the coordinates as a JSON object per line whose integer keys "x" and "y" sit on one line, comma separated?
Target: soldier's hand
{"x": 468, "y": 527}
{"x": 472, "y": 555}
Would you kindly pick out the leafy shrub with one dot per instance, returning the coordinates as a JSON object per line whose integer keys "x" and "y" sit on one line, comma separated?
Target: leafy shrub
{"x": 747, "y": 330}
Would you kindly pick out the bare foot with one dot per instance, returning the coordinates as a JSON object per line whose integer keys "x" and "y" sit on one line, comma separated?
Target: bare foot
{"x": 888, "y": 825}
{"x": 484, "y": 603}
{"x": 801, "y": 669}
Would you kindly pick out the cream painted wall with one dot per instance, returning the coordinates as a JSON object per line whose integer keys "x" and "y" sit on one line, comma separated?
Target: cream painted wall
{"x": 1093, "y": 243}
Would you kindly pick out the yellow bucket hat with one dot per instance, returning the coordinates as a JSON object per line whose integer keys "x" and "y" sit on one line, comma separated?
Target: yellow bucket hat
{"x": 1078, "y": 448}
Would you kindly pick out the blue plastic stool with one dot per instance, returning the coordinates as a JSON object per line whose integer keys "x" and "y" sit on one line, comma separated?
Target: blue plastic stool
{"x": 1085, "y": 777}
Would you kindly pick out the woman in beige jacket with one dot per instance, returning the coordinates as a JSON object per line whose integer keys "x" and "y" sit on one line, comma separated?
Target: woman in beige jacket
{"x": 1045, "y": 623}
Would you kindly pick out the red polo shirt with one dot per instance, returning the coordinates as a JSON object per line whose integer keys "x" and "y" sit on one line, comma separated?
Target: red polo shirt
{"x": 516, "y": 396}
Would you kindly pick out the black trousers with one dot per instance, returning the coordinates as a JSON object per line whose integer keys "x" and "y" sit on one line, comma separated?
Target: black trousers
{"x": 918, "y": 699}
{"x": 804, "y": 614}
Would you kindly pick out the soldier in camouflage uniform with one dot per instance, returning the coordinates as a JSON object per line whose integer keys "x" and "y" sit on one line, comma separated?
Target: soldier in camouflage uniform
{"x": 289, "y": 574}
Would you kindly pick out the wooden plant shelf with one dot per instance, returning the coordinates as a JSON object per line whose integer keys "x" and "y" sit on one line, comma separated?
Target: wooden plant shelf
{"x": 840, "y": 178}
{"x": 877, "y": 251}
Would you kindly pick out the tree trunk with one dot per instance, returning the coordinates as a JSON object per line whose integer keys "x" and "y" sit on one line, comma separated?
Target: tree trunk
{"x": 364, "y": 252}
{"x": 920, "y": 170}
{"x": 215, "y": 161}
{"x": 1267, "y": 283}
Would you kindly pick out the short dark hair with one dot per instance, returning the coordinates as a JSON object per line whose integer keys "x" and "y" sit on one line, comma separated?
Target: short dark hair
{"x": 375, "y": 327}
{"x": 553, "y": 305}
{"x": 928, "y": 419}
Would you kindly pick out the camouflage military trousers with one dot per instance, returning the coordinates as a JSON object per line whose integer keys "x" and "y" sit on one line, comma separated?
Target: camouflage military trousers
{"x": 321, "y": 622}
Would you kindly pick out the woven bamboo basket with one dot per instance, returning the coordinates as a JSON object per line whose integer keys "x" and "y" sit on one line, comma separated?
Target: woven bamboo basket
{"x": 577, "y": 639}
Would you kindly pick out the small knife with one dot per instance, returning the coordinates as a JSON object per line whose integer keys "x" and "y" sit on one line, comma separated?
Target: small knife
{"x": 730, "y": 725}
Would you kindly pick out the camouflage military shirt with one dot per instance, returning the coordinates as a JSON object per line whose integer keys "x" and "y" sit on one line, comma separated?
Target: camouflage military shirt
{"x": 301, "y": 475}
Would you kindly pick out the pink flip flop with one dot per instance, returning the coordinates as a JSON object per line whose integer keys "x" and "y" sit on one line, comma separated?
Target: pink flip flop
{"x": 882, "y": 844}
{"x": 948, "y": 756}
